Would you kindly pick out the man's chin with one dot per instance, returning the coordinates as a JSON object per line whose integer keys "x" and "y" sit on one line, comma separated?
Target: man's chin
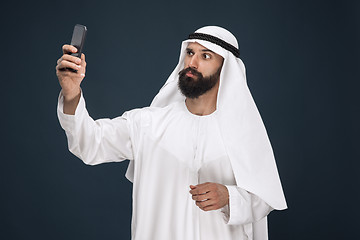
{"x": 191, "y": 79}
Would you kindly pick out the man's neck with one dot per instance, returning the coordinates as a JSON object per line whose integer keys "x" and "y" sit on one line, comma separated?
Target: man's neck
{"x": 204, "y": 104}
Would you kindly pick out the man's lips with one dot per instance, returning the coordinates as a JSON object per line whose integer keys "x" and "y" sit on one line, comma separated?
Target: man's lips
{"x": 189, "y": 74}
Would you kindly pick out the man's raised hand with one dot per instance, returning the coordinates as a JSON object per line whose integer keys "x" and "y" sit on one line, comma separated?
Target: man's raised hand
{"x": 210, "y": 196}
{"x": 69, "y": 80}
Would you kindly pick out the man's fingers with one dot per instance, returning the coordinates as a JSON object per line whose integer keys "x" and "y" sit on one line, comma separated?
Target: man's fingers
{"x": 204, "y": 204}
{"x": 200, "y": 189}
{"x": 83, "y": 65}
{"x": 71, "y": 58}
{"x": 209, "y": 196}
{"x": 82, "y": 60}
{"x": 201, "y": 197}
{"x": 67, "y": 64}
{"x": 69, "y": 49}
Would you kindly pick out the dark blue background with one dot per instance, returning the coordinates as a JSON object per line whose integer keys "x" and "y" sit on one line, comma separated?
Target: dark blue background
{"x": 302, "y": 60}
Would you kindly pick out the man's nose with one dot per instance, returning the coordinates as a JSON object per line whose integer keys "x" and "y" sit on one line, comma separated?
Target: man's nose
{"x": 193, "y": 62}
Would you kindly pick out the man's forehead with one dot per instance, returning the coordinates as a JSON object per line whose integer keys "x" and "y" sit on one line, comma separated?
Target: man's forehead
{"x": 197, "y": 46}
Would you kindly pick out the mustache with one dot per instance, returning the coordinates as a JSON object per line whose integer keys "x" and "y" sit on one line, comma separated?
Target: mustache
{"x": 192, "y": 70}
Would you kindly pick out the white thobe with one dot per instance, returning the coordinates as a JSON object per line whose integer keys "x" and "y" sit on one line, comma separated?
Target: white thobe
{"x": 171, "y": 149}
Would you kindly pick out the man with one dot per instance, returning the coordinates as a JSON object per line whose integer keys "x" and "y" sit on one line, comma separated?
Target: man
{"x": 201, "y": 164}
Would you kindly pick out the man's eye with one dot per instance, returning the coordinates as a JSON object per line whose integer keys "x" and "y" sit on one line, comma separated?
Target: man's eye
{"x": 206, "y": 56}
{"x": 190, "y": 53}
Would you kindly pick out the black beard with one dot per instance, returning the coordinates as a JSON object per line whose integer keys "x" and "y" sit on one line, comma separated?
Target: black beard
{"x": 193, "y": 88}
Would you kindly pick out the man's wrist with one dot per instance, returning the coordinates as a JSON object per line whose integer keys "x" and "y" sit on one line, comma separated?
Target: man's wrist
{"x": 70, "y": 102}
{"x": 71, "y": 96}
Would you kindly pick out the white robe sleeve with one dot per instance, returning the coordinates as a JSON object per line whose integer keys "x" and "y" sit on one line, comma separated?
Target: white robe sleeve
{"x": 244, "y": 207}
{"x": 95, "y": 142}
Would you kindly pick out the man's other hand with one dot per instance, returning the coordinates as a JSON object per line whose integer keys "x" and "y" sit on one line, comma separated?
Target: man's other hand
{"x": 210, "y": 196}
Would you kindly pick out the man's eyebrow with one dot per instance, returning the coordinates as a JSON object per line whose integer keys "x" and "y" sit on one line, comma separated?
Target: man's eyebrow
{"x": 207, "y": 50}
{"x": 203, "y": 50}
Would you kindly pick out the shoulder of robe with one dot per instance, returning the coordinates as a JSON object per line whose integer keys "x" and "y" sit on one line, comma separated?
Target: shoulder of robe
{"x": 145, "y": 116}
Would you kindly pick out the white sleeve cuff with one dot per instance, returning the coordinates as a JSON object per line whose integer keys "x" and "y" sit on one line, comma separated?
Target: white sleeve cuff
{"x": 231, "y": 211}
{"x": 244, "y": 207}
{"x": 67, "y": 121}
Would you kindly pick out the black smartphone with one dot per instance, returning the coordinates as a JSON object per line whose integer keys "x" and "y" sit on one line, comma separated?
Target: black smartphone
{"x": 77, "y": 40}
